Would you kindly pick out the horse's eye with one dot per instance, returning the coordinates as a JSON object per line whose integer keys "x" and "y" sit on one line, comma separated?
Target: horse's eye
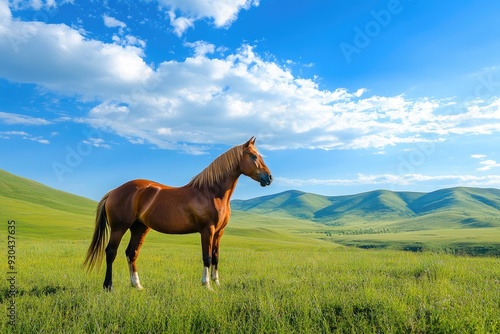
{"x": 253, "y": 156}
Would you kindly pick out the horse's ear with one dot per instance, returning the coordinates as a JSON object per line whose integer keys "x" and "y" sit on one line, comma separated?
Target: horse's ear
{"x": 251, "y": 141}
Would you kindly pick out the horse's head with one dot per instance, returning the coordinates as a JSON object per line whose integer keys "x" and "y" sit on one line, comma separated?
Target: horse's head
{"x": 253, "y": 165}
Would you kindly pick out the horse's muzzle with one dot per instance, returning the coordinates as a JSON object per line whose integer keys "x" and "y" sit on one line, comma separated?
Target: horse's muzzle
{"x": 266, "y": 180}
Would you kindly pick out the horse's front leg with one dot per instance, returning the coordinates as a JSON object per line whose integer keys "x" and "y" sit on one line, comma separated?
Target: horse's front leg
{"x": 207, "y": 238}
{"x": 215, "y": 257}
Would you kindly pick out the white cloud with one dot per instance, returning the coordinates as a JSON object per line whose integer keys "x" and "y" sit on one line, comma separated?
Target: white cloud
{"x": 22, "y": 135}
{"x": 133, "y": 40}
{"x": 129, "y": 40}
{"x": 201, "y": 48}
{"x": 398, "y": 180}
{"x": 96, "y": 142}
{"x": 210, "y": 98}
{"x": 222, "y": 13}
{"x": 5, "y": 14}
{"x": 11, "y": 119}
{"x": 123, "y": 39}
{"x": 35, "y": 4}
{"x": 487, "y": 165}
{"x": 111, "y": 22}
{"x": 180, "y": 24}
{"x": 217, "y": 96}
{"x": 61, "y": 59}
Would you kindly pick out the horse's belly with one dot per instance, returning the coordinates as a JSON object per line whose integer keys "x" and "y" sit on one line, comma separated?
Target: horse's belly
{"x": 170, "y": 225}
{"x": 170, "y": 220}
{"x": 174, "y": 228}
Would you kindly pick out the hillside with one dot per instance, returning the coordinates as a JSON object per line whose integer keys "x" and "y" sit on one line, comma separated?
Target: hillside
{"x": 465, "y": 220}
{"x": 291, "y": 203}
{"x": 455, "y": 207}
{"x": 43, "y": 211}
{"x": 458, "y": 207}
{"x": 28, "y": 191}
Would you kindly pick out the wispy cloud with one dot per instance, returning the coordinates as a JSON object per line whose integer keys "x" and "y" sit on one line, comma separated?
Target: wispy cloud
{"x": 96, "y": 142}
{"x": 22, "y": 135}
{"x": 398, "y": 180}
{"x": 17, "y": 119}
{"x": 37, "y": 4}
{"x": 112, "y": 22}
{"x": 486, "y": 164}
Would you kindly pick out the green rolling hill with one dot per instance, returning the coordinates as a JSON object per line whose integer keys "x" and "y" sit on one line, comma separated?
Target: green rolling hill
{"x": 458, "y": 219}
{"x": 42, "y": 211}
{"x": 455, "y": 207}
{"x": 291, "y": 203}
{"x": 28, "y": 191}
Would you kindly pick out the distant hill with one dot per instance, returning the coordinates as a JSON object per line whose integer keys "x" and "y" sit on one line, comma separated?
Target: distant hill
{"x": 29, "y": 191}
{"x": 458, "y": 220}
{"x": 454, "y": 207}
{"x": 41, "y": 210}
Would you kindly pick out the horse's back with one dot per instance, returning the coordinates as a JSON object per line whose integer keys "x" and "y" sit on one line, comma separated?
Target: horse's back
{"x": 143, "y": 183}
{"x": 126, "y": 201}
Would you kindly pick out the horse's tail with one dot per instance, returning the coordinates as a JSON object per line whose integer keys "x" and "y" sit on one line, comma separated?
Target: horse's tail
{"x": 95, "y": 252}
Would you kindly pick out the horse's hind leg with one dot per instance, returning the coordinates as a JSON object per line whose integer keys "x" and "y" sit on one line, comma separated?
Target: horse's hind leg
{"x": 111, "y": 250}
{"x": 138, "y": 232}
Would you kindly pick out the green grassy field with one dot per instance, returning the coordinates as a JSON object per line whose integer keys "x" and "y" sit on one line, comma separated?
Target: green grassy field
{"x": 267, "y": 287}
{"x": 278, "y": 275}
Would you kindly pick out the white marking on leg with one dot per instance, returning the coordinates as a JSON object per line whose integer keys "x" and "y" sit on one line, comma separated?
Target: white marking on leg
{"x": 134, "y": 277}
{"x": 204, "y": 276}
{"x": 205, "y": 280}
{"x": 215, "y": 275}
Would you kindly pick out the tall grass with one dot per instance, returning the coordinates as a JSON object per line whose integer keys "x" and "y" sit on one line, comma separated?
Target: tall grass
{"x": 266, "y": 288}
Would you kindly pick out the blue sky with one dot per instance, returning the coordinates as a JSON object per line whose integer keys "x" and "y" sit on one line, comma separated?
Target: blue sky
{"x": 343, "y": 97}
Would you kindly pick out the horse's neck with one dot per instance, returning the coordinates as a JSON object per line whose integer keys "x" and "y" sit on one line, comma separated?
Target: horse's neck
{"x": 224, "y": 189}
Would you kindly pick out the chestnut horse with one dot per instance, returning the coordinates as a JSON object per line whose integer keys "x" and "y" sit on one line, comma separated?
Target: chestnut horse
{"x": 200, "y": 206}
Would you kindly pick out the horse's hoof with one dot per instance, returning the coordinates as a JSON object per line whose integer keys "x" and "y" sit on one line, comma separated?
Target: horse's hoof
{"x": 208, "y": 287}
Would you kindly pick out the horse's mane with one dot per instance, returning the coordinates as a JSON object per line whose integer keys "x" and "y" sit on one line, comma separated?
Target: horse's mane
{"x": 221, "y": 166}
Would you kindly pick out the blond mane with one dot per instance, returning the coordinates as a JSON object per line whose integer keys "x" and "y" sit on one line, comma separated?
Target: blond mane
{"x": 221, "y": 166}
